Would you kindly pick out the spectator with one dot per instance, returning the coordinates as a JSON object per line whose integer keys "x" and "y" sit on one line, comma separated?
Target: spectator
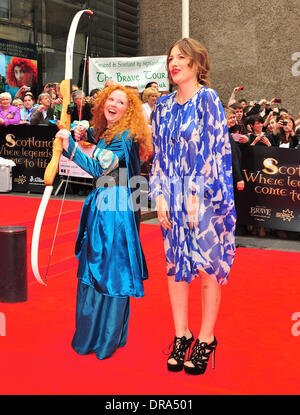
{"x": 53, "y": 96}
{"x": 134, "y": 90}
{"x": 283, "y": 110}
{"x": 17, "y": 102}
{"x": 43, "y": 113}
{"x": 252, "y": 109}
{"x": 271, "y": 121}
{"x": 284, "y": 134}
{"x": 243, "y": 102}
{"x": 265, "y": 108}
{"x": 149, "y": 98}
{"x": 297, "y": 122}
{"x": 260, "y": 138}
{"x": 57, "y": 103}
{"x": 237, "y": 175}
{"x": 153, "y": 85}
{"x": 239, "y": 125}
{"x": 50, "y": 86}
{"x": 93, "y": 94}
{"x": 257, "y": 136}
{"x": 82, "y": 109}
{"x": 9, "y": 114}
{"x": 27, "y": 110}
{"x": 74, "y": 88}
{"x": 232, "y": 98}
{"x": 22, "y": 91}
{"x": 238, "y": 179}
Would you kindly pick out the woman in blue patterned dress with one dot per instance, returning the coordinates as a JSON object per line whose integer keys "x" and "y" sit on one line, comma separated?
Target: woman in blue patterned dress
{"x": 111, "y": 263}
{"x": 191, "y": 182}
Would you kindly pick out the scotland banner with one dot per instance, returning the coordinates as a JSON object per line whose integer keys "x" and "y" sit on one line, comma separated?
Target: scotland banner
{"x": 271, "y": 197}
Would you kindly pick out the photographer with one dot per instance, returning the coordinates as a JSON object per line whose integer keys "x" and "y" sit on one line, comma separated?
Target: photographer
{"x": 257, "y": 136}
{"x": 271, "y": 121}
{"x": 250, "y": 110}
{"x": 50, "y": 86}
{"x": 22, "y": 91}
{"x": 53, "y": 89}
{"x": 284, "y": 134}
{"x": 232, "y": 98}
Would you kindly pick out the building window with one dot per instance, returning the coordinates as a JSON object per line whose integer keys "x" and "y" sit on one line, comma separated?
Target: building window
{"x": 5, "y": 9}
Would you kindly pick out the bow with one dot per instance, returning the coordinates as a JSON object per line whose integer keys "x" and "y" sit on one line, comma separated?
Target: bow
{"x": 52, "y": 168}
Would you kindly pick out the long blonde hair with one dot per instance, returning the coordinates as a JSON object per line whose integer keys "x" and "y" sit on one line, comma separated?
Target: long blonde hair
{"x": 133, "y": 120}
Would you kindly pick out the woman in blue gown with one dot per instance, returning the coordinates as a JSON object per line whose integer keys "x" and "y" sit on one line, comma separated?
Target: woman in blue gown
{"x": 191, "y": 182}
{"x": 111, "y": 262}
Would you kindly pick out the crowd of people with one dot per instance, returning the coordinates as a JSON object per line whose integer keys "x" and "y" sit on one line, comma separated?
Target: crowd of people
{"x": 258, "y": 123}
{"x": 25, "y": 108}
{"x": 254, "y": 123}
{"x": 263, "y": 123}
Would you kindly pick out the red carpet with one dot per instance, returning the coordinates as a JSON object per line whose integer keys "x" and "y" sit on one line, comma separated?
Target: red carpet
{"x": 257, "y": 352}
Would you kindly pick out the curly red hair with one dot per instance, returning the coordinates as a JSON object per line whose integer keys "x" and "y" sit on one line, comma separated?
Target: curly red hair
{"x": 29, "y": 69}
{"x": 133, "y": 120}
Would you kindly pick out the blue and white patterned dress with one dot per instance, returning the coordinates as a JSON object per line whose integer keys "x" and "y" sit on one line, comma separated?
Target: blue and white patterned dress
{"x": 192, "y": 155}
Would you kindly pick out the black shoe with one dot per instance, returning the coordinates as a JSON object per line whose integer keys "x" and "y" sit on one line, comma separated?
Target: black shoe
{"x": 181, "y": 347}
{"x": 200, "y": 356}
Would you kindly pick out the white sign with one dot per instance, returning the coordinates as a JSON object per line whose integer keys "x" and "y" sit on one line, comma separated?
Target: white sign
{"x": 68, "y": 167}
{"x": 137, "y": 71}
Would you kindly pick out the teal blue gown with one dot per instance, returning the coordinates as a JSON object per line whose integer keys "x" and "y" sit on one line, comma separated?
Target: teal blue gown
{"x": 111, "y": 265}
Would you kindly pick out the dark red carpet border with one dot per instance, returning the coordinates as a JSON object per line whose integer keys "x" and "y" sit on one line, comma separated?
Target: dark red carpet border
{"x": 257, "y": 330}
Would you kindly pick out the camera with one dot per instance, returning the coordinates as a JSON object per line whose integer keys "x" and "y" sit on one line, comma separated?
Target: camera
{"x": 278, "y": 100}
{"x": 51, "y": 85}
{"x": 70, "y": 109}
{"x": 240, "y": 88}
{"x": 284, "y": 123}
{"x": 27, "y": 88}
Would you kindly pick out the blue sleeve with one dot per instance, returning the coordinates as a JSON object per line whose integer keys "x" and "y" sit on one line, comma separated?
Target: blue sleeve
{"x": 214, "y": 163}
{"x": 104, "y": 160}
{"x": 156, "y": 171}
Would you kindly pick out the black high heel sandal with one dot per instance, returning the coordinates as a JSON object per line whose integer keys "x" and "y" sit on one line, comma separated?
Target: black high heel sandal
{"x": 181, "y": 347}
{"x": 199, "y": 357}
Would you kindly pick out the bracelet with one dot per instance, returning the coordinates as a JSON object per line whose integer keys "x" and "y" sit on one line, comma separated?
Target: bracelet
{"x": 73, "y": 152}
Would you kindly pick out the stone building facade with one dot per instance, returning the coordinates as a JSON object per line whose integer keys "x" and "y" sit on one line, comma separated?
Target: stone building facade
{"x": 251, "y": 43}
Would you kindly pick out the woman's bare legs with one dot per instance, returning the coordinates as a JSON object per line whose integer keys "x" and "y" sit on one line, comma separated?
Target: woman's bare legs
{"x": 211, "y": 297}
{"x": 179, "y": 295}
